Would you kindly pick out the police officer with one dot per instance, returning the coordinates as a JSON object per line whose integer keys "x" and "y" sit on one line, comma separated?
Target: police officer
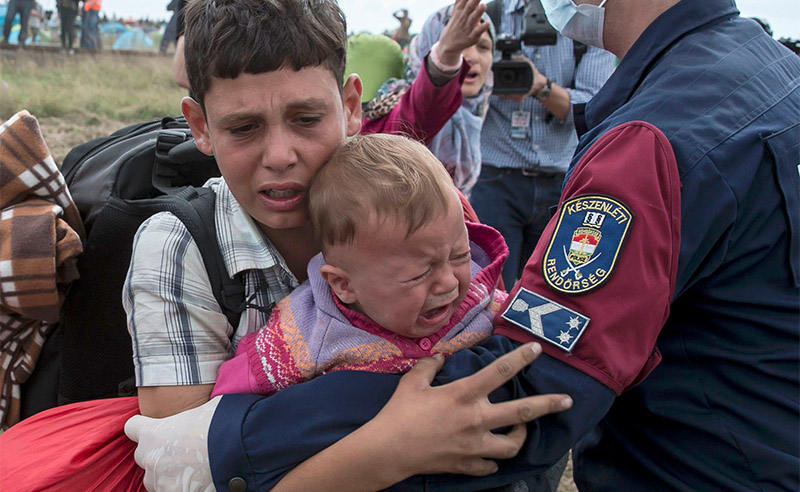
{"x": 665, "y": 290}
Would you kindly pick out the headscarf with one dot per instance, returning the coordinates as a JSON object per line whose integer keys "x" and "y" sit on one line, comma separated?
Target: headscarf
{"x": 458, "y": 143}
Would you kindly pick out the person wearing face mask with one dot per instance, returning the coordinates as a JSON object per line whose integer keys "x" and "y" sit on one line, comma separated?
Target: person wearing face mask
{"x": 527, "y": 139}
{"x": 670, "y": 318}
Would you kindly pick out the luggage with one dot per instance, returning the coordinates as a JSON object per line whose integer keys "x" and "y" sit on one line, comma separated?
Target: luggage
{"x": 117, "y": 182}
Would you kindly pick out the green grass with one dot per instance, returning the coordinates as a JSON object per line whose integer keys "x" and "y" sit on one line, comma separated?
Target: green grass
{"x": 126, "y": 88}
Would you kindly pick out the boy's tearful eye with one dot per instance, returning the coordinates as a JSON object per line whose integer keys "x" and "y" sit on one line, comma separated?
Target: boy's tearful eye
{"x": 243, "y": 129}
{"x": 309, "y": 121}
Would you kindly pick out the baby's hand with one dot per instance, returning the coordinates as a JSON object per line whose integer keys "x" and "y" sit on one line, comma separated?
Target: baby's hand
{"x": 463, "y": 30}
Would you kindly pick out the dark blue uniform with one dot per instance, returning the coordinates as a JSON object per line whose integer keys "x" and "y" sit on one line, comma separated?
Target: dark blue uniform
{"x": 664, "y": 291}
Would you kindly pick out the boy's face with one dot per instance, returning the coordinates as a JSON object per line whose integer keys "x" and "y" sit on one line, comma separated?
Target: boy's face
{"x": 271, "y": 132}
{"x": 408, "y": 285}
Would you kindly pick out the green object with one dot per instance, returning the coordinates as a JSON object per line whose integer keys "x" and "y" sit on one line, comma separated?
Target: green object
{"x": 375, "y": 58}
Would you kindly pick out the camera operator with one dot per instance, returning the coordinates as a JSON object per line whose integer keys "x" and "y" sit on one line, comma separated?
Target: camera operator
{"x": 528, "y": 138}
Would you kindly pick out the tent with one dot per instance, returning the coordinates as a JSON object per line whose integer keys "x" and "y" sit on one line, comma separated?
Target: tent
{"x": 133, "y": 39}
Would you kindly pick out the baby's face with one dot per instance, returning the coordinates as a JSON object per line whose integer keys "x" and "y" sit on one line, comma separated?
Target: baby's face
{"x": 411, "y": 285}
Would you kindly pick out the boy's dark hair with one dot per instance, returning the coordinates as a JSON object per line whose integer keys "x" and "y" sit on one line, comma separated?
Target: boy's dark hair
{"x": 225, "y": 38}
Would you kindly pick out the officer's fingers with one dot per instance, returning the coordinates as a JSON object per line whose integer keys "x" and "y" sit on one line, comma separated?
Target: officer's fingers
{"x": 524, "y": 410}
{"x": 505, "y": 446}
{"x": 134, "y": 426}
{"x": 476, "y": 467}
{"x": 501, "y": 370}
{"x": 423, "y": 372}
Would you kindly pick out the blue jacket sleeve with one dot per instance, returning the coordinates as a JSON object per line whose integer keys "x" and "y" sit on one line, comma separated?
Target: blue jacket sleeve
{"x": 261, "y": 439}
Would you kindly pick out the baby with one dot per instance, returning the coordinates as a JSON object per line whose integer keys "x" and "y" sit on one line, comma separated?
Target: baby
{"x": 401, "y": 275}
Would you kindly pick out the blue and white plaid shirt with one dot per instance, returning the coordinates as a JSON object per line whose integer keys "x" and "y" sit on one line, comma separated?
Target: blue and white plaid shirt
{"x": 549, "y": 146}
{"x": 180, "y": 335}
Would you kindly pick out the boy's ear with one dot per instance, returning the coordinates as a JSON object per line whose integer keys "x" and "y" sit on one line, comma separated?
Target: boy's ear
{"x": 339, "y": 282}
{"x": 351, "y": 96}
{"x": 197, "y": 123}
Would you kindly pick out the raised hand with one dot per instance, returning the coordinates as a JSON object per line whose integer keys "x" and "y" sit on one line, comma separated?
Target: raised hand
{"x": 464, "y": 29}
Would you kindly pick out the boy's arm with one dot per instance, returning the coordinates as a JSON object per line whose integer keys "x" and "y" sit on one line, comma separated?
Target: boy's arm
{"x": 178, "y": 332}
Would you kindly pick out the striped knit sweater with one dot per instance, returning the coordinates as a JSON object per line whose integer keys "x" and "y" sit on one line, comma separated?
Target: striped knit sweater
{"x": 311, "y": 332}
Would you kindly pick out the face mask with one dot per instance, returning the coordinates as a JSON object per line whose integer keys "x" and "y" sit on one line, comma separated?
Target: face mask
{"x": 582, "y": 22}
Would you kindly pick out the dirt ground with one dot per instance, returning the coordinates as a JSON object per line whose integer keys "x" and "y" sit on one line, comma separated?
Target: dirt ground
{"x": 567, "y": 485}
{"x": 62, "y": 134}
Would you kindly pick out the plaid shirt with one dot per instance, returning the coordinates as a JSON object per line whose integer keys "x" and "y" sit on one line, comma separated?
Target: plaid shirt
{"x": 180, "y": 335}
{"x": 550, "y": 144}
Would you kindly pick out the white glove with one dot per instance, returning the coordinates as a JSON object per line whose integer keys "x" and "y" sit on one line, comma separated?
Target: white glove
{"x": 174, "y": 450}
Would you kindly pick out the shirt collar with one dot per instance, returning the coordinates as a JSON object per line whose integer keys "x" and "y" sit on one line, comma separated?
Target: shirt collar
{"x": 680, "y": 20}
{"x": 243, "y": 245}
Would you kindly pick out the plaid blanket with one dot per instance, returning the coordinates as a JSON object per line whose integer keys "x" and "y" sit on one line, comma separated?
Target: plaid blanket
{"x": 40, "y": 239}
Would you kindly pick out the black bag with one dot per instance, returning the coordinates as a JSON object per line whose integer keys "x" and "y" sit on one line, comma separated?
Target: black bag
{"x": 117, "y": 182}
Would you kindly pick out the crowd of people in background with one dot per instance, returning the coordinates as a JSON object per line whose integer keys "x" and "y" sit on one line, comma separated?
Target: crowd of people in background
{"x": 79, "y": 24}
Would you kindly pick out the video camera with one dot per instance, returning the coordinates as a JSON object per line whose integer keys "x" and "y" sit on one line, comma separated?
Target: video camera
{"x": 516, "y": 77}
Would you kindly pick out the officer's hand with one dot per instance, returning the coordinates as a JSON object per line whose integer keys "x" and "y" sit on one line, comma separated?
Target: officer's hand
{"x": 539, "y": 81}
{"x": 173, "y": 451}
{"x": 448, "y": 427}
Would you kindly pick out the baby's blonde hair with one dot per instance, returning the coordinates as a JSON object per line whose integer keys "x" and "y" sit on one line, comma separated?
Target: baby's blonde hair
{"x": 381, "y": 176}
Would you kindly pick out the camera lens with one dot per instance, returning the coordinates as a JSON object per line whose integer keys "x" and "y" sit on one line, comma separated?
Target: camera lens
{"x": 507, "y": 77}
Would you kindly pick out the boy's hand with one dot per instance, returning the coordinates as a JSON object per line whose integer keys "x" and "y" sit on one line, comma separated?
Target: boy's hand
{"x": 464, "y": 29}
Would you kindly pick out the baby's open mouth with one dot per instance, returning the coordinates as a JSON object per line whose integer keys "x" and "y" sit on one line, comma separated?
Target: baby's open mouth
{"x": 432, "y": 313}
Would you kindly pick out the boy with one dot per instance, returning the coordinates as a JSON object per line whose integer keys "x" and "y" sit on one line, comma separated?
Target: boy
{"x": 271, "y": 118}
{"x": 395, "y": 281}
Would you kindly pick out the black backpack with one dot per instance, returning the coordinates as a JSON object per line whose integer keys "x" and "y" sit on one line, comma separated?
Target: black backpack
{"x": 117, "y": 182}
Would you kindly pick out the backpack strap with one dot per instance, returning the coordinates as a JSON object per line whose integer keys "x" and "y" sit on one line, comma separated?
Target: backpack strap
{"x": 195, "y": 208}
{"x": 578, "y": 50}
{"x": 578, "y": 110}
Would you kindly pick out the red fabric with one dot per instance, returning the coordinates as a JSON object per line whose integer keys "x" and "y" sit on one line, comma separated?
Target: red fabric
{"x": 78, "y": 447}
{"x": 423, "y": 110}
{"x": 635, "y": 164}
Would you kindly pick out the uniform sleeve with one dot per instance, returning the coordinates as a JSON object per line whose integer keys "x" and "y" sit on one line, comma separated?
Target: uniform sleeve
{"x": 423, "y": 109}
{"x": 179, "y": 333}
{"x": 597, "y": 289}
{"x": 261, "y": 439}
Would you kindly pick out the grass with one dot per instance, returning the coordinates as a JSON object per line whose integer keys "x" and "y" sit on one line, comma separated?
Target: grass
{"x": 81, "y": 97}
{"x": 125, "y": 88}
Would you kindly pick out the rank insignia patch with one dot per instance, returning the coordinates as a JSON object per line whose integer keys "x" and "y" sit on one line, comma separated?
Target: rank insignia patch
{"x": 544, "y": 318}
{"x": 586, "y": 243}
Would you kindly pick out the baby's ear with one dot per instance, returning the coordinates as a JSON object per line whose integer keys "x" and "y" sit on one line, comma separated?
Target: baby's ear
{"x": 339, "y": 282}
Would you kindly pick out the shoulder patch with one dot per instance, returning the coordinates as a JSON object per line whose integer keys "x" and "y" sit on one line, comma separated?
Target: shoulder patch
{"x": 586, "y": 243}
{"x": 544, "y": 318}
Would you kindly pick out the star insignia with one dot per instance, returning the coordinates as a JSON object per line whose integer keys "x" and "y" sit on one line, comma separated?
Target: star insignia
{"x": 574, "y": 323}
{"x": 564, "y": 337}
